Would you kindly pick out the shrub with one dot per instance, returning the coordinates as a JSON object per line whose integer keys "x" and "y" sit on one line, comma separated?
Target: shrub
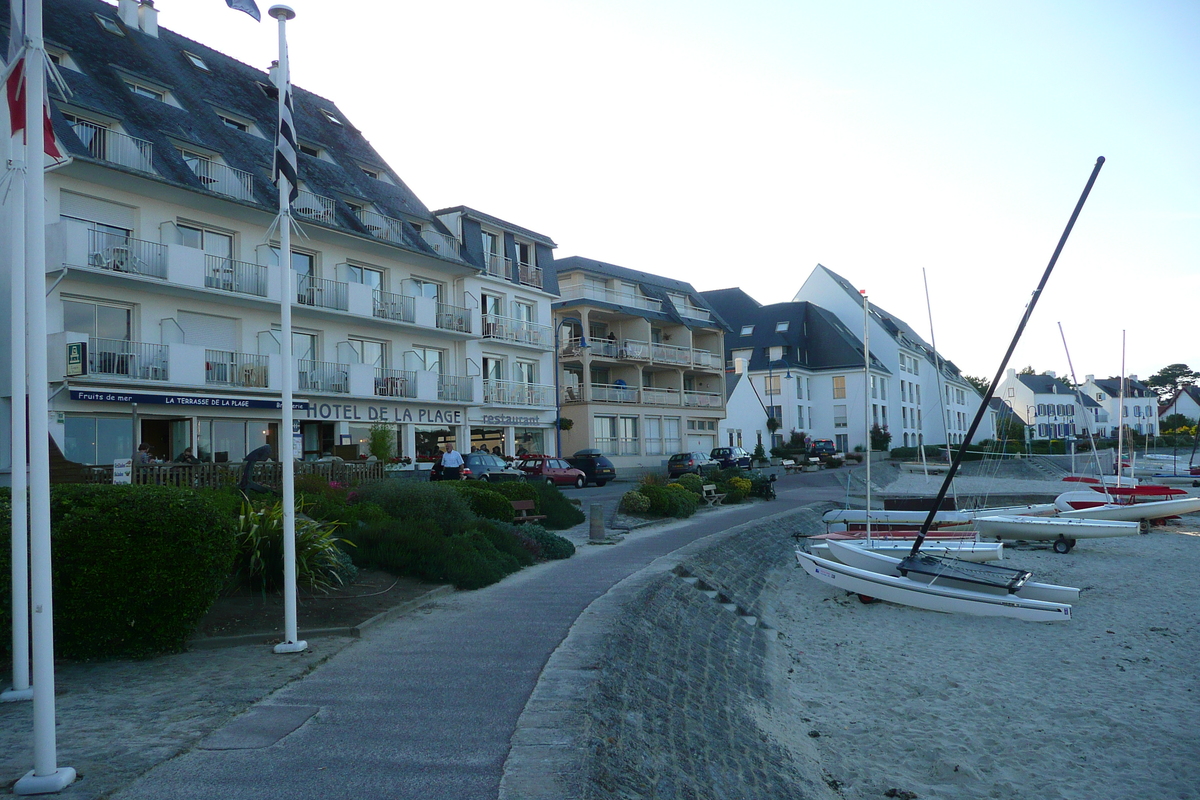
{"x": 260, "y": 548}
{"x": 833, "y": 463}
{"x": 418, "y": 548}
{"x": 733, "y": 497}
{"x": 761, "y": 486}
{"x": 652, "y": 479}
{"x": 723, "y": 475}
{"x": 553, "y": 546}
{"x": 519, "y": 490}
{"x": 560, "y": 512}
{"x": 418, "y": 500}
{"x": 660, "y": 501}
{"x": 682, "y": 502}
{"x": 740, "y": 484}
{"x": 135, "y": 567}
{"x": 693, "y": 483}
{"x": 508, "y": 538}
{"x": 634, "y": 502}
{"x": 485, "y": 502}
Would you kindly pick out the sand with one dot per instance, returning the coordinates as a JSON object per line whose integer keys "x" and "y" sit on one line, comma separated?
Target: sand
{"x": 1106, "y": 705}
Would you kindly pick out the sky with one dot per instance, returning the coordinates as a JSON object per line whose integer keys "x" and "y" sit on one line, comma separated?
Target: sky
{"x": 741, "y": 144}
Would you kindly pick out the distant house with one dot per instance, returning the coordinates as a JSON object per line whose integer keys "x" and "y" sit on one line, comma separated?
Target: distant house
{"x": 1186, "y": 401}
{"x": 1050, "y": 408}
{"x": 1140, "y": 409}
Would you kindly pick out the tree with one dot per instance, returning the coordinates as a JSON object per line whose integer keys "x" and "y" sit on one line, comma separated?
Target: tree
{"x": 880, "y": 437}
{"x": 981, "y": 384}
{"x": 1170, "y": 379}
{"x": 1028, "y": 370}
{"x": 1172, "y": 423}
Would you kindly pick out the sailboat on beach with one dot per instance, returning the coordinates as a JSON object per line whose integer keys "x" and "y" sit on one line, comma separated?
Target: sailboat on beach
{"x": 946, "y": 584}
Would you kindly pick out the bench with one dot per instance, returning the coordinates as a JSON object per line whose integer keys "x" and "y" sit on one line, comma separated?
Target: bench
{"x": 523, "y": 512}
{"x": 711, "y": 496}
{"x": 790, "y": 466}
{"x": 813, "y": 464}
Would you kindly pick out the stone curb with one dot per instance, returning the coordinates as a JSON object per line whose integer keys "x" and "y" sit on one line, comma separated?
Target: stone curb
{"x": 354, "y": 631}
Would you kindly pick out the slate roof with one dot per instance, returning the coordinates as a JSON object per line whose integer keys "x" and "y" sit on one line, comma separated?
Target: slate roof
{"x": 653, "y": 286}
{"x": 107, "y": 60}
{"x": 899, "y": 330}
{"x": 499, "y": 223}
{"x": 815, "y": 339}
{"x": 1044, "y": 384}
{"x": 1133, "y": 388}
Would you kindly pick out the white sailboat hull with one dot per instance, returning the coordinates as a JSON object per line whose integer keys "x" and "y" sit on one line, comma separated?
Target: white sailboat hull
{"x": 905, "y": 591}
{"x": 1043, "y": 529}
{"x": 858, "y": 516}
{"x": 1155, "y": 509}
{"x": 966, "y": 550}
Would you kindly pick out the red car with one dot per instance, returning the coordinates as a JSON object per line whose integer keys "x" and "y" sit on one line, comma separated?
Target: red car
{"x": 551, "y": 470}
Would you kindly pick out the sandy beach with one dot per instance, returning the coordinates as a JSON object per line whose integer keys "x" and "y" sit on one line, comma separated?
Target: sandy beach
{"x": 1106, "y": 705}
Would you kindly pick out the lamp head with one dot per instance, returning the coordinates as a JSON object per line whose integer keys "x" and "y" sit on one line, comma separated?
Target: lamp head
{"x": 281, "y": 12}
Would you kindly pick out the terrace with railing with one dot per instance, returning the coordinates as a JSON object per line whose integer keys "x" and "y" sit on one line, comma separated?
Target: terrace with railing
{"x": 222, "y": 475}
{"x": 117, "y": 252}
{"x": 692, "y": 312}
{"x": 395, "y": 382}
{"x": 396, "y": 307}
{"x": 228, "y": 368}
{"x": 381, "y": 227}
{"x": 321, "y": 293}
{"x": 498, "y": 266}
{"x": 314, "y": 207}
{"x": 443, "y": 245}
{"x": 703, "y": 399}
{"x": 145, "y": 361}
{"x": 221, "y": 178}
{"x": 453, "y": 318}
{"x": 530, "y": 275}
{"x": 240, "y": 277}
{"x": 115, "y": 147}
{"x": 520, "y": 331}
{"x": 455, "y": 389}
{"x": 516, "y": 393}
{"x": 581, "y": 292}
{"x": 323, "y": 376}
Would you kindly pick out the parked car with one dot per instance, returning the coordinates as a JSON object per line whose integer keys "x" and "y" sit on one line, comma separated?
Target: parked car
{"x": 598, "y": 469}
{"x": 731, "y": 457}
{"x": 490, "y": 468}
{"x": 551, "y": 470}
{"x": 822, "y": 447}
{"x": 697, "y": 463}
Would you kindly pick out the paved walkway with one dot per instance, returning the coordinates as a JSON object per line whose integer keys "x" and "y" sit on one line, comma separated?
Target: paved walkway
{"x": 423, "y": 706}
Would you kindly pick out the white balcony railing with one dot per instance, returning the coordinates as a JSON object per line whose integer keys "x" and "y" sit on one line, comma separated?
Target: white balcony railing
{"x": 705, "y": 359}
{"x": 240, "y": 277}
{"x": 515, "y": 393}
{"x": 453, "y": 318}
{"x": 703, "y": 399}
{"x": 443, "y": 245}
{"x": 654, "y": 396}
{"x": 455, "y": 389}
{"x": 520, "y": 331}
{"x": 144, "y": 361}
{"x": 613, "y": 393}
{"x": 106, "y": 144}
{"x": 395, "y": 382}
{"x": 498, "y": 266}
{"x": 227, "y": 368}
{"x": 670, "y": 354}
{"x": 396, "y": 307}
{"x": 530, "y": 275}
{"x": 692, "y": 312}
{"x": 577, "y": 292}
{"x": 381, "y": 227}
{"x": 322, "y": 376}
{"x": 635, "y": 350}
{"x": 221, "y": 178}
{"x": 313, "y": 206}
{"x": 321, "y": 293}
{"x": 117, "y": 252}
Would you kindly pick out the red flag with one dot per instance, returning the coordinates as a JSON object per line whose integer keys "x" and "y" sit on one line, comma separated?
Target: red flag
{"x": 14, "y": 86}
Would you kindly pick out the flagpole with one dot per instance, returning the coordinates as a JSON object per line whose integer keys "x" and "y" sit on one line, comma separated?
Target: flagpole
{"x": 46, "y": 776}
{"x": 287, "y": 460}
{"x": 21, "y": 688}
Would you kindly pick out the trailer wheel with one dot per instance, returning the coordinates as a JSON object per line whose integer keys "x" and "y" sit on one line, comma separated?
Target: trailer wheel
{"x": 1062, "y": 545}
{"x": 866, "y": 600}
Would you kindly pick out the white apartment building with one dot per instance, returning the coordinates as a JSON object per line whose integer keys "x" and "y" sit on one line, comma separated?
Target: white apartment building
{"x": 1049, "y": 408}
{"x": 1138, "y": 411}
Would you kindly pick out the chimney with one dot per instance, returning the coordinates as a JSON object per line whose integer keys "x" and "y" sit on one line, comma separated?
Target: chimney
{"x": 148, "y": 18}
{"x": 127, "y": 10}
{"x": 1012, "y": 374}
{"x": 1050, "y": 374}
{"x": 1089, "y": 378}
{"x": 739, "y": 366}
{"x": 273, "y": 73}
{"x": 1132, "y": 377}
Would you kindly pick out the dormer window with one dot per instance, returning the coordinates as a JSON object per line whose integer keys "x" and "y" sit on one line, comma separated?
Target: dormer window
{"x": 110, "y": 25}
{"x": 328, "y": 115}
{"x": 196, "y": 61}
{"x": 370, "y": 173}
{"x": 309, "y": 150}
{"x": 143, "y": 90}
{"x": 781, "y": 327}
{"x": 230, "y": 121}
{"x": 747, "y": 330}
{"x": 270, "y": 91}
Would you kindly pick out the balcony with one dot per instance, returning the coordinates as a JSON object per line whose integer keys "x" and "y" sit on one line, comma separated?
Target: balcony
{"x": 227, "y": 368}
{"x": 106, "y": 144}
{"x": 322, "y": 376}
{"x": 221, "y": 178}
{"x": 705, "y": 359}
{"x": 394, "y": 307}
{"x": 238, "y": 277}
{"x": 671, "y": 354}
{"x": 515, "y": 393}
{"x": 530, "y": 275}
{"x": 119, "y": 253}
{"x": 142, "y": 361}
{"x": 577, "y": 292}
{"x": 321, "y": 293}
{"x": 498, "y": 266}
{"x": 519, "y": 331}
{"x": 653, "y": 396}
{"x": 703, "y": 399}
{"x": 445, "y": 246}
{"x": 692, "y": 312}
{"x": 613, "y": 393}
{"x": 453, "y": 318}
{"x": 455, "y": 389}
{"x": 381, "y": 227}
{"x": 314, "y": 207}
{"x": 395, "y": 383}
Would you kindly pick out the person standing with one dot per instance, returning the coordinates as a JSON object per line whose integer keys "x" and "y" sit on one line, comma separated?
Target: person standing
{"x": 452, "y": 462}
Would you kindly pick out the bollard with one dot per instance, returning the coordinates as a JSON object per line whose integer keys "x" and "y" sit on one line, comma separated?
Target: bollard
{"x": 596, "y": 516}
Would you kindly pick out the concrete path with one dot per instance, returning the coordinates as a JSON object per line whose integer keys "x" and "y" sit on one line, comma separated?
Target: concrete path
{"x": 426, "y": 706}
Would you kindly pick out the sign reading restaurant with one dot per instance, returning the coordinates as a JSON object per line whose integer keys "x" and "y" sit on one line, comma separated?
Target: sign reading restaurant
{"x": 188, "y": 401}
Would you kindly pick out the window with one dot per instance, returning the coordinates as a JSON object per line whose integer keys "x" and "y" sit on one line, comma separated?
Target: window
{"x": 771, "y": 385}
{"x": 629, "y": 444}
{"x": 524, "y": 372}
{"x": 524, "y": 254}
{"x": 236, "y": 124}
{"x": 370, "y": 352}
{"x": 304, "y": 346}
{"x": 781, "y": 327}
{"x": 491, "y": 244}
{"x": 365, "y": 275}
{"x": 839, "y": 417}
{"x": 800, "y": 417}
{"x": 110, "y": 25}
{"x": 747, "y": 330}
{"x": 424, "y": 288}
{"x": 672, "y": 442}
{"x": 97, "y": 440}
{"x": 100, "y": 320}
{"x": 654, "y": 436}
{"x": 196, "y": 61}
{"x": 370, "y": 173}
{"x": 304, "y": 264}
{"x": 799, "y": 389}
{"x": 309, "y": 150}
{"x": 523, "y": 311}
{"x": 604, "y": 434}
{"x": 775, "y": 412}
{"x": 428, "y": 359}
{"x": 143, "y": 90}
{"x": 839, "y": 387}
{"x": 328, "y": 115}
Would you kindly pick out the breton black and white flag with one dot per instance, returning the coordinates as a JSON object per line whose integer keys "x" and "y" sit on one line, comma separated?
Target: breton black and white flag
{"x": 285, "y": 146}
{"x": 249, "y": 6}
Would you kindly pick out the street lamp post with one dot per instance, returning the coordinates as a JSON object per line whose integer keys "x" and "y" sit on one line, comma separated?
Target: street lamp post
{"x": 557, "y": 390}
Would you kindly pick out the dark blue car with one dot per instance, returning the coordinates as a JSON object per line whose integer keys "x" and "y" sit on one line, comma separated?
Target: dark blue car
{"x": 730, "y": 457}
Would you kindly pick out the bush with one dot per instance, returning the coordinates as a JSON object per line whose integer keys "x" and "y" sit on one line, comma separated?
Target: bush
{"x": 560, "y": 512}
{"x": 135, "y": 567}
{"x": 553, "y": 546}
{"x": 634, "y": 502}
{"x": 761, "y": 486}
{"x": 484, "y": 500}
{"x": 740, "y": 484}
{"x": 833, "y": 463}
{"x": 682, "y": 503}
{"x": 519, "y": 490}
{"x": 319, "y": 557}
{"x": 417, "y": 548}
{"x": 421, "y": 501}
{"x": 510, "y": 539}
{"x": 693, "y": 483}
{"x": 660, "y": 501}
